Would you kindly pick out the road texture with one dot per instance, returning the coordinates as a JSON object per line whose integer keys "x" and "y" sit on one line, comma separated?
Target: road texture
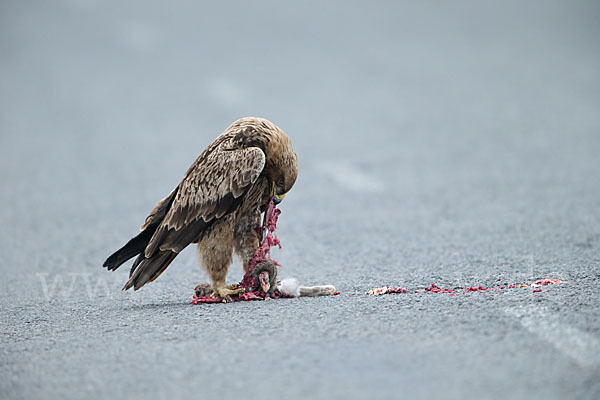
{"x": 455, "y": 143}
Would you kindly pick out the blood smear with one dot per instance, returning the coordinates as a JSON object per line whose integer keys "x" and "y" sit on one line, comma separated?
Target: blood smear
{"x": 547, "y": 281}
{"x": 436, "y": 289}
{"x": 385, "y": 290}
{"x": 477, "y": 289}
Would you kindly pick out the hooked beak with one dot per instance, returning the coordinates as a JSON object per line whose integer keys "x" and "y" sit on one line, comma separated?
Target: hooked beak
{"x": 277, "y": 198}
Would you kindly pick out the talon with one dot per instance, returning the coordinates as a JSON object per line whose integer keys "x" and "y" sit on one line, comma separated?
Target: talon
{"x": 225, "y": 293}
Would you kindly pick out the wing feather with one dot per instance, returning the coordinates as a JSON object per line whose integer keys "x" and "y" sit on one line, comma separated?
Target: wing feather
{"x": 212, "y": 188}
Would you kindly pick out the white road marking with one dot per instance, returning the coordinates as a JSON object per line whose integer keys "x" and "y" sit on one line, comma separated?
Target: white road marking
{"x": 581, "y": 346}
{"x": 351, "y": 177}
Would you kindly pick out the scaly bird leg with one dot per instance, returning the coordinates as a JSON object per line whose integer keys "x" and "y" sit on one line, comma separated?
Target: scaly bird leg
{"x": 225, "y": 292}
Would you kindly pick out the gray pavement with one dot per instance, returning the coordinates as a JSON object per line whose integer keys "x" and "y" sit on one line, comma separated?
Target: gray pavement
{"x": 438, "y": 142}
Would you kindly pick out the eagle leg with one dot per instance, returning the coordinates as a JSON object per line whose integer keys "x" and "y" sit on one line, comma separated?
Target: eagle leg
{"x": 216, "y": 250}
{"x": 227, "y": 291}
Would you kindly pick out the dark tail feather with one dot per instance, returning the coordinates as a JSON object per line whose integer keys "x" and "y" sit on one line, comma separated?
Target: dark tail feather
{"x": 148, "y": 269}
{"x": 137, "y": 262}
{"x": 134, "y": 247}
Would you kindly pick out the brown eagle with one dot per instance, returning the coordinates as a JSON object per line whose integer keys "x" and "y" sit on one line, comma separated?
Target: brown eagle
{"x": 217, "y": 204}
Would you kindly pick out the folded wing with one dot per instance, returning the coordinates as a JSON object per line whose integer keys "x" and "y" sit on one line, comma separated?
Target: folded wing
{"x": 214, "y": 186}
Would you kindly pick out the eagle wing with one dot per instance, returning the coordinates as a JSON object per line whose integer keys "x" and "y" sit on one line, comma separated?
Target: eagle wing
{"x": 213, "y": 187}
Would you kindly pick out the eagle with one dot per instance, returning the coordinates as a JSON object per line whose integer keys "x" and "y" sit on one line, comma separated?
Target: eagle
{"x": 218, "y": 205}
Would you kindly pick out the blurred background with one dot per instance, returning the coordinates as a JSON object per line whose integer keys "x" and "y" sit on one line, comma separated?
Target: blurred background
{"x": 454, "y": 142}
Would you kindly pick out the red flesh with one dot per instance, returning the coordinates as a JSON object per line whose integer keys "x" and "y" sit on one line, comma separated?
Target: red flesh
{"x": 263, "y": 279}
{"x": 547, "y": 281}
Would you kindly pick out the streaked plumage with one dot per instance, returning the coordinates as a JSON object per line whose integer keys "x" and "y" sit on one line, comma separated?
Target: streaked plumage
{"x": 217, "y": 204}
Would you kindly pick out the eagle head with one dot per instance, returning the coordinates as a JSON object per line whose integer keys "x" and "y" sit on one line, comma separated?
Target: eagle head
{"x": 281, "y": 162}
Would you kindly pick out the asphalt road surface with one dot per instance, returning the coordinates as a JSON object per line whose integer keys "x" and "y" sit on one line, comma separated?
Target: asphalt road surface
{"x": 438, "y": 142}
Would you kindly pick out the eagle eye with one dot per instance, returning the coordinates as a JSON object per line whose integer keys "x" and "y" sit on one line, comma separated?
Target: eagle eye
{"x": 280, "y": 186}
